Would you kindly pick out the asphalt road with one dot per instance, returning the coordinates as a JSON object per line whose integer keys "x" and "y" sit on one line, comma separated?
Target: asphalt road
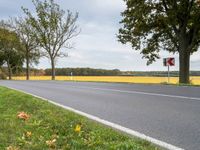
{"x": 167, "y": 113}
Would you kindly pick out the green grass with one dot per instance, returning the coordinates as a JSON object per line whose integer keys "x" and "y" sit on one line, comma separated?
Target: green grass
{"x": 48, "y": 122}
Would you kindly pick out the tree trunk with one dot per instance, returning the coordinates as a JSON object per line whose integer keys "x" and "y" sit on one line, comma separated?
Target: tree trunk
{"x": 9, "y": 71}
{"x": 27, "y": 66}
{"x": 184, "y": 69}
{"x": 184, "y": 60}
{"x": 53, "y": 72}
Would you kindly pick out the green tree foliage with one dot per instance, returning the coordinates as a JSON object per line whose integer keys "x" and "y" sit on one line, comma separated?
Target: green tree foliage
{"x": 31, "y": 48}
{"x": 171, "y": 25}
{"x": 52, "y": 30}
{"x": 10, "y": 50}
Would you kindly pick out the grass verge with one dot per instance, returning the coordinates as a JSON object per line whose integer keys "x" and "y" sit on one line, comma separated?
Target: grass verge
{"x": 46, "y": 126}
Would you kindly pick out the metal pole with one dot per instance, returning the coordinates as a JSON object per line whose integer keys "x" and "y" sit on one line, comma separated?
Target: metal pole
{"x": 168, "y": 74}
{"x": 71, "y": 76}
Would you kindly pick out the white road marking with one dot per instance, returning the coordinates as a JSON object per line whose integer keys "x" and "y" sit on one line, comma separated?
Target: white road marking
{"x": 110, "y": 124}
{"x": 136, "y": 92}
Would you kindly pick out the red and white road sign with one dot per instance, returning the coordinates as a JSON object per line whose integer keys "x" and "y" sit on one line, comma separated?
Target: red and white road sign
{"x": 169, "y": 61}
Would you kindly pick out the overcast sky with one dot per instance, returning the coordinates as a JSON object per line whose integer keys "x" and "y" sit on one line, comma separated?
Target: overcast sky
{"x": 97, "y": 45}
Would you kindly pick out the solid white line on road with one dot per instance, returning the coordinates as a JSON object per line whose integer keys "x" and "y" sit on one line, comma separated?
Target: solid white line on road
{"x": 137, "y": 92}
{"x": 110, "y": 124}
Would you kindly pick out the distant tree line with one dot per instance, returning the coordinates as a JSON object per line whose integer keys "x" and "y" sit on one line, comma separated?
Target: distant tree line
{"x": 84, "y": 72}
{"x": 114, "y": 72}
{"x": 91, "y": 72}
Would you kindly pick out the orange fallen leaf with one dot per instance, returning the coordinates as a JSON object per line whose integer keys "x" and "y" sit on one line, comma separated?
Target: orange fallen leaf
{"x": 23, "y": 115}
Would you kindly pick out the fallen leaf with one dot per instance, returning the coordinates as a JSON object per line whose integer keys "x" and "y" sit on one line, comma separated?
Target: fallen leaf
{"x": 51, "y": 143}
{"x": 77, "y": 128}
{"x": 12, "y": 148}
{"x": 23, "y": 115}
{"x": 28, "y": 134}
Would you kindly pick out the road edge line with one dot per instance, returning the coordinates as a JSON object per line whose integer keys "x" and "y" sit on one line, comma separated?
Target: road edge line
{"x": 109, "y": 124}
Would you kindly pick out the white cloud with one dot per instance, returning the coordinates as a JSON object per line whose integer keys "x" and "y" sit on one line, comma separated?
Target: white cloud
{"x": 107, "y": 5}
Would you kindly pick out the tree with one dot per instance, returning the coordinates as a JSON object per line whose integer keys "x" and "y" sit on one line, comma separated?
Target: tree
{"x": 52, "y": 30}
{"x": 10, "y": 50}
{"x": 31, "y": 48}
{"x": 171, "y": 25}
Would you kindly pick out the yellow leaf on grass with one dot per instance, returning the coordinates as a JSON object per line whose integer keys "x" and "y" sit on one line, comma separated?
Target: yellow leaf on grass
{"x": 77, "y": 128}
{"x": 51, "y": 143}
{"x": 12, "y": 148}
{"x": 28, "y": 134}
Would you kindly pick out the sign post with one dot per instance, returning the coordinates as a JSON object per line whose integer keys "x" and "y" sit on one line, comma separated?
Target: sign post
{"x": 71, "y": 76}
{"x": 168, "y": 75}
{"x": 169, "y": 62}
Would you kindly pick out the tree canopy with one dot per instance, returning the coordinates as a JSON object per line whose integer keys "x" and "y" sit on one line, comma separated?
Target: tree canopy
{"x": 52, "y": 30}
{"x": 31, "y": 48}
{"x": 10, "y": 50}
{"x": 171, "y": 25}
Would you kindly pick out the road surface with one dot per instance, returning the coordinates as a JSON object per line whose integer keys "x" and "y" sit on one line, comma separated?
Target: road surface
{"x": 168, "y": 113}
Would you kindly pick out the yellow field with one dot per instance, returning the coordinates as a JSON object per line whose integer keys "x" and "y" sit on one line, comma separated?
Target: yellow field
{"x": 173, "y": 80}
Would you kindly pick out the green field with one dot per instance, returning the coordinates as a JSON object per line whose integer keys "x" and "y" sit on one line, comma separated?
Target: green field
{"x": 46, "y": 126}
